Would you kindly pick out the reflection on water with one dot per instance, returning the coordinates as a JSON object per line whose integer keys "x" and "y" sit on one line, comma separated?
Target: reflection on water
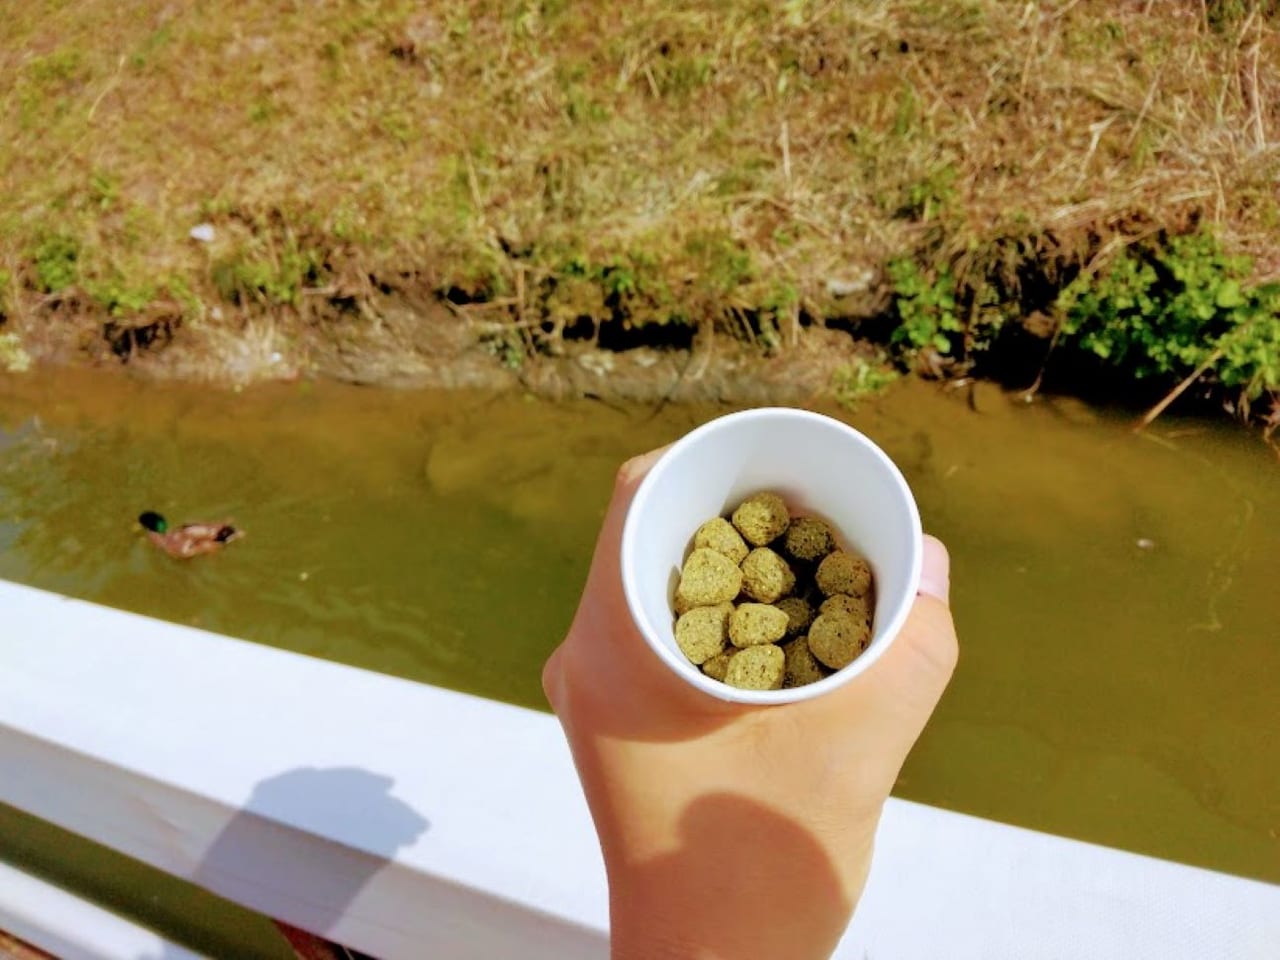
{"x": 1114, "y": 592}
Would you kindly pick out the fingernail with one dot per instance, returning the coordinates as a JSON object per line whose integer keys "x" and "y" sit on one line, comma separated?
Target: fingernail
{"x": 939, "y": 587}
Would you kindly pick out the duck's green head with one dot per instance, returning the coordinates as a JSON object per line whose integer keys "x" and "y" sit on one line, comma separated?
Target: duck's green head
{"x": 153, "y": 521}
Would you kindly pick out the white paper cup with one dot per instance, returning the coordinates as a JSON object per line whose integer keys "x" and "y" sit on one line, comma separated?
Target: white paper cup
{"x": 820, "y": 466}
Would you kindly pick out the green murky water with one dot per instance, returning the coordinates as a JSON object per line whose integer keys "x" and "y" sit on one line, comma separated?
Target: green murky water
{"x": 1115, "y": 593}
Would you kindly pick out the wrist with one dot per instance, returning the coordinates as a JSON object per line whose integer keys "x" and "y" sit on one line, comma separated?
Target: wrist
{"x": 680, "y": 919}
{"x": 647, "y": 942}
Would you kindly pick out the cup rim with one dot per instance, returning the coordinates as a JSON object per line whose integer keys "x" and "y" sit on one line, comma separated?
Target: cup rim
{"x": 676, "y": 662}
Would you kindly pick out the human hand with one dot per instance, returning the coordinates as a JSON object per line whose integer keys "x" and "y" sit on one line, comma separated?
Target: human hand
{"x": 734, "y": 831}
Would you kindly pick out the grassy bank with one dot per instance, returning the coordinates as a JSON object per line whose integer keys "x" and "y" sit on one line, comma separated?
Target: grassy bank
{"x": 965, "y": 181}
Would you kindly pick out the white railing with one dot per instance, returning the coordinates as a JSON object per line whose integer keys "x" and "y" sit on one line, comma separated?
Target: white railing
{"x": 409, "y": 821}
{"x": 70, "y": 927}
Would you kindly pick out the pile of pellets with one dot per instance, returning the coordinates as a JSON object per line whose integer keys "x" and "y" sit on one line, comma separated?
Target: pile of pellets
{"x": 767, "y": 601}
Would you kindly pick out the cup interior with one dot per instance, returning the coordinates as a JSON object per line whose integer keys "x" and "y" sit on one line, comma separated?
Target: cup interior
{"x": 821, "y": 467}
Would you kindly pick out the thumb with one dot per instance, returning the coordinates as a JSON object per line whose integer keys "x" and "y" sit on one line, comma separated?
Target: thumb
{"x": 927, "y": 650}
{"x": 935, "y": 570}
{"x": 894, "y": 699}
{"x": 907, "y": 682}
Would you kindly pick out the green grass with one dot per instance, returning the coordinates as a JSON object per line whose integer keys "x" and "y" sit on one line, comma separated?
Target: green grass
{"x": 722, "y": 164}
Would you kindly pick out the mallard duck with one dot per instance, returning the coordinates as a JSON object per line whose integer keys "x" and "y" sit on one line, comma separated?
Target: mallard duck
{"x": 188, "y": 540}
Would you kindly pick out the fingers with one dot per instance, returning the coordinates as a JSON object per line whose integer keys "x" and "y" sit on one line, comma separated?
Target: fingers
{"x": 600, "y": 599}
{"x": 633, "y": 471}
{"x": 604, "y": 563}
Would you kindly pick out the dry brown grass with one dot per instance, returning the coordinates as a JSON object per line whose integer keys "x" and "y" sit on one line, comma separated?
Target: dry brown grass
{"x": 748, "y": 164}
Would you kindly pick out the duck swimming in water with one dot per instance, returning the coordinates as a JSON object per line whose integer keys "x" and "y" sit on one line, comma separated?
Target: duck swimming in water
{"x": 188, "y": 540}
